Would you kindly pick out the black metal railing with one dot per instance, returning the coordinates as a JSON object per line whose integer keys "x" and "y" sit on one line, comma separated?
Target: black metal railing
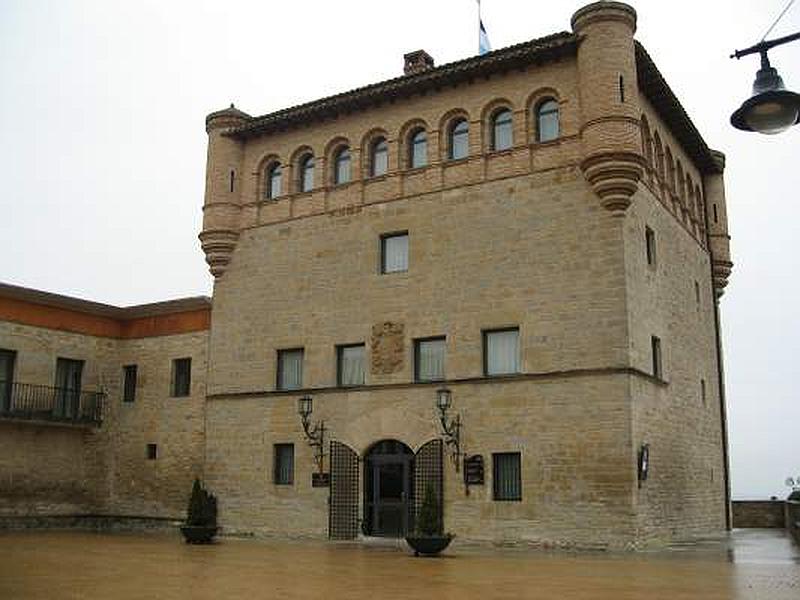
{"x": 45, "y": 403}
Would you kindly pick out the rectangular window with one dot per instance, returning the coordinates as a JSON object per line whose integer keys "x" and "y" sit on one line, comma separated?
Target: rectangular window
{"x": 350, "y": 365}
{"x": 507, "y": 476}
{"x": 501, "y": 351}
{"x": 394, "y": 252}
{"x": 703, "y": 391}
{"x": 697, "y": 293}
{"x": 129, "y": 383}
{"x": 283, "y": 464}
{"x": 655, "y": 344}
{"x": 7, "y": 360}
{"x": 68, "y": 387}
{"x": 181, "y": 377}
{"x": 429, "y": 359}
{"x": 650, "y": 245}
{"x": 152, "y": 451}
{"x": 290, "y": 369}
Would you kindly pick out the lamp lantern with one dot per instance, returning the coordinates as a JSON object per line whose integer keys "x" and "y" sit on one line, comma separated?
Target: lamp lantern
{"x": 305, "y": 406}
{"x": 772, "y": 108}
{"x": 443, "y": 399}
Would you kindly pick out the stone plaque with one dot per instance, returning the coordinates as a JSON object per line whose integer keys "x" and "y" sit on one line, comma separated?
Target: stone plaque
{"x": 320, "y": 480}
{"x": 387, "y": 351}
{"x": 473, "y": 470}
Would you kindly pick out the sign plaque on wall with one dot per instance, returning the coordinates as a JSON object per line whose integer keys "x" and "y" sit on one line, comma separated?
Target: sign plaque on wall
{"x": 320, "y": 480}
{"x": 473, "y": 470}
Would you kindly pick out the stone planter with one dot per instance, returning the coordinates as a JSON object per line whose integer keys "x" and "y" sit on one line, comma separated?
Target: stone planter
{"x": 198, "y": 534}
{"x": 429, "y": 545}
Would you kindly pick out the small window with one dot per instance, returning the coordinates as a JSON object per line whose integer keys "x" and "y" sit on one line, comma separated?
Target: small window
{"x": 181, "y": 377}
{"x": 547, "y": 126}
{"x": 306, "y": 177}
{"x": 716, "y": 217}
{"x": 502, "y": 135}
{"x": 152, "y": 451}
{"x": 429, "y": 359}
{"x": 350, "y": 365}
{"x": 129, "y": 383}
{"x": 379, "y": 158}
{"x": 283, "y": 464}
{"x": 697, "y": 293}
{"x": 290, "y": 369}
{"x": 650, "y": 246}
{"x": 501, "y": 351}
{"x": 7, "y": 360}
{"x": 458, "y": 146}
{"x": 507, "y": 476}
{"x": 655, "y": 344}
{"x": 341, "y": 164}
{"x": 703, "y": 391}
{"x": 273, "y": 181}
{"x": 394, "y": 253}
{"x": 418, "y": 151}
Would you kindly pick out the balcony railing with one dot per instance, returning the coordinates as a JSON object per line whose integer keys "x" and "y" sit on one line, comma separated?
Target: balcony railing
{"x": 45, "y": 403}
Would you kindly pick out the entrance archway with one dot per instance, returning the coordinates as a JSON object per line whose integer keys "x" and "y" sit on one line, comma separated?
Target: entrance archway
{"x": 388, "y": 488}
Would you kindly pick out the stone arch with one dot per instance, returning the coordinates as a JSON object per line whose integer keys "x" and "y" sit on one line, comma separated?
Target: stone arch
{"x": 670, "y": 169}
{"x": 366, "y": 148}
{"x": 487, "y": 115}
{"x": 404, "y": 141}
{"x": 294, "y": 166}
{"x": 331, "y": 149}
{"x": 446, "y": 123}
{"x": 265, "y": 162}
{"x": 658, "y": 150}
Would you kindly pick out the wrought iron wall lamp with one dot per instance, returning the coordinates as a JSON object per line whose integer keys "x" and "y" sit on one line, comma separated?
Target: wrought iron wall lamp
{"x": 451, "y": 430}
{"x": 314, "y": 434}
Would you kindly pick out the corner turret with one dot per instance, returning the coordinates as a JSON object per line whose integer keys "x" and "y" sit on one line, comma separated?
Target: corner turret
{"x": 222, "y": 205}
{"x": 717, "y": 220}
{"x": 613, "y": 162}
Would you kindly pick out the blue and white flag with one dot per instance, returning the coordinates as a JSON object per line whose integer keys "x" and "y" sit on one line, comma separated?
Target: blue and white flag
{"x": 483, "y": 39}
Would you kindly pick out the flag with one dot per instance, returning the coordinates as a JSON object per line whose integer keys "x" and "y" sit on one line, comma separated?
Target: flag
{"x": 483, "y": 39}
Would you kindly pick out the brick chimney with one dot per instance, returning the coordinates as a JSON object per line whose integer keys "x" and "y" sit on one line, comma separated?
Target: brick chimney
{"x": 417, "y": 62}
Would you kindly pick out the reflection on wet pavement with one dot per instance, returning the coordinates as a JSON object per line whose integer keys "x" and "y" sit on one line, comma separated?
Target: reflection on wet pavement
{"x": 753, "y": 564}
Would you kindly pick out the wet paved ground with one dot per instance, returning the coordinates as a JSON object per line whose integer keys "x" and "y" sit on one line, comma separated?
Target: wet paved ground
{"x": 754, "y": 564}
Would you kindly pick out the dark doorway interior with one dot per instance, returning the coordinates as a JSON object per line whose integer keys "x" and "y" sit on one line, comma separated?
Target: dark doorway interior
{"x": 388, "y": 477}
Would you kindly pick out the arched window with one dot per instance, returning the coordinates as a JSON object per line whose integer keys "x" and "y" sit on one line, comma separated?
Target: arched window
{"x": 547, "y": 127}
{"x": 306, "y": 173}
{"x": 379, "y": 158}
{"x": 659, "y": 151}
{"x": 458, "y": 144}
{"x": 502, "y": 136}
{"x": 341, "y": 166}
{"x": 418, "y": 149}
{"x": 272, "y": 181}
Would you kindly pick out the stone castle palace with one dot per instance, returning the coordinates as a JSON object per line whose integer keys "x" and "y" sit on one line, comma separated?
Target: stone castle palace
{"x": 497, "y": 278}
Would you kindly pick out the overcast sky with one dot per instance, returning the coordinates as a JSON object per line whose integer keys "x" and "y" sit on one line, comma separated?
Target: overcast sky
{"x": 102, "y": 153}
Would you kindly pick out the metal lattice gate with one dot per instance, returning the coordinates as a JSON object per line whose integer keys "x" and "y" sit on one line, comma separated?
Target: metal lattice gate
{"x": 344, "y": 500}
{"x": 428, "y": 471}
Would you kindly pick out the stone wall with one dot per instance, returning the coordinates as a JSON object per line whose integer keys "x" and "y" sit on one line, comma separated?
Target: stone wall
{"x": 51, "y": 469}
{"x": 759, "y": 513}
{"x": 678, "y": 416}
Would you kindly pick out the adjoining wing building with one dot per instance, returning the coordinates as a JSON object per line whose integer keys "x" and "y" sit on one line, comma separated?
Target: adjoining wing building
{"x": 525, "y": 248}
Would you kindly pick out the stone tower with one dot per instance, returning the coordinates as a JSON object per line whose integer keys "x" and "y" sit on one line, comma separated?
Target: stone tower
{"x": 222, "y": 206}
{"x": 612, "y": 149}
{"x": 717, "y": 220}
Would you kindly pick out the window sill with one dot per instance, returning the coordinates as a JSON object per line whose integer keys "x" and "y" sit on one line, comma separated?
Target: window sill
{"x": 452, "y": 162}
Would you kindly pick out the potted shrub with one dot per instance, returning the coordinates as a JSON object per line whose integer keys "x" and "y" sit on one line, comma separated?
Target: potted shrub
{"x": 201, "y": 516}
{"x": 427, "y": 539}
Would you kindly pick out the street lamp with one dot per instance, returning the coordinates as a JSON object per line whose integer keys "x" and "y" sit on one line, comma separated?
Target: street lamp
{"x": 772, "y": 108}
{"x": 316, "y": 434}
{"x": 451, "y": 430}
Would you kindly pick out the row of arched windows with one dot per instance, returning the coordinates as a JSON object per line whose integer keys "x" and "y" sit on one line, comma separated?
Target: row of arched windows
{"x": 669, "y": 173}
{"x": 547, "y": 128}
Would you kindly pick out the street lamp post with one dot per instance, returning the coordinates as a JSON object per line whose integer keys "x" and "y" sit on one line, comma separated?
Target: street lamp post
{"x": 772, "y": 108}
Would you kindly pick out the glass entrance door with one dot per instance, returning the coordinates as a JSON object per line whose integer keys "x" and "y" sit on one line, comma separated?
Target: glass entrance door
{"x": 391, "y": 480}
{"x": 388, "y": 476}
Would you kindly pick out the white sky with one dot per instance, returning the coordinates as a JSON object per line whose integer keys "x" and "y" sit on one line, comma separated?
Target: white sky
{"x": 102, "y": 148}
